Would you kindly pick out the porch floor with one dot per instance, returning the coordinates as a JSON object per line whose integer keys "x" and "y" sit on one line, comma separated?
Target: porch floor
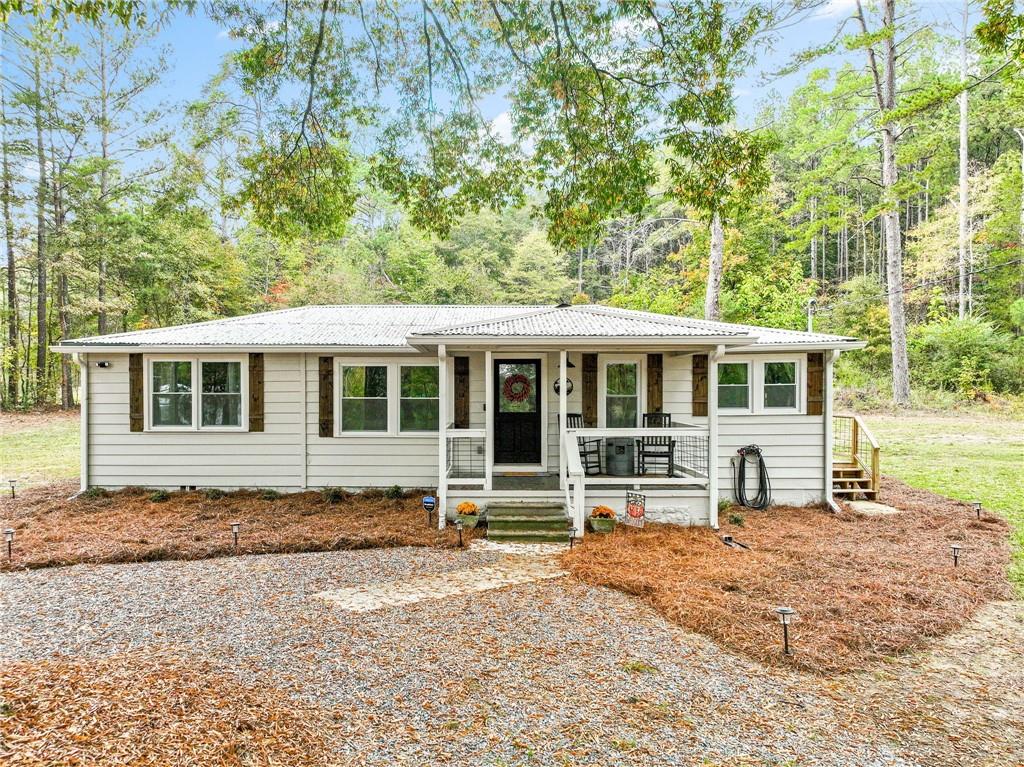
{"x": 549, "y": 482}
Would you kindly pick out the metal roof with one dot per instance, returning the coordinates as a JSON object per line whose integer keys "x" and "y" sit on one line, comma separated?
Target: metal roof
{"x": 399, "y": 327}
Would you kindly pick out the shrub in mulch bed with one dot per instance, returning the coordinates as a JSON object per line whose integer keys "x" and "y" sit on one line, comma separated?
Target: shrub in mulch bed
{"x": 864, "y": 587}
{"x": 152, "y": 708}
{"x": 131, "y": 526}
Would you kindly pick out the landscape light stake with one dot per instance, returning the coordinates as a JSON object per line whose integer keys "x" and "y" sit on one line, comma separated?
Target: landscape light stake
{"x": 12, "y": 483}
{"x": 977, "y": 508}
{"x": 9, "y": 535}
{"x": 458, "y": 526}
{"x": 786, "y": 616}
{"x": 955, "y": 548}
{"x": 572, "y": 537}
{"x": 234, "y": 532}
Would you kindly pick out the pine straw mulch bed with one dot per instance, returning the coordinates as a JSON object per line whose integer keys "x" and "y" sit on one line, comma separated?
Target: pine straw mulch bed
{"x": 864, "y": 587}
{"x": 51, "y": 529}
{"x": 152, "y": 708}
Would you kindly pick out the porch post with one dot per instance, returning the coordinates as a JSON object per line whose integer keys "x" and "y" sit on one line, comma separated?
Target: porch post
{"x": 488, "y": 420}
{"x": 442, "y": 436}
{"x": 827, "y": 410}
{"x": 562, "y": 415}
{"x": 713, "y": 435}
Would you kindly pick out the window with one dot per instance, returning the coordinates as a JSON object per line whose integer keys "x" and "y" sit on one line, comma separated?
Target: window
{"x": 221, "y": 394}
{"x": 197, "y": 393}
{"x": 418, "y": 402}
{"x": 734, "y": 385}
{"x": 622, "y": 399}
{"x": 780, "y": 384}
{"x": 364, "y": 398}
{"x": 171, "y": 390}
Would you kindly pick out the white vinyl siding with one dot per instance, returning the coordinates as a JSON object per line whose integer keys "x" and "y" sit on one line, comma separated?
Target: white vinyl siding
{"x": 227, "y": 458}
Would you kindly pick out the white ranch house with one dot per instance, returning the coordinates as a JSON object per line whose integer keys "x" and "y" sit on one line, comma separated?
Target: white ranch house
{"x": 567, "y": 405}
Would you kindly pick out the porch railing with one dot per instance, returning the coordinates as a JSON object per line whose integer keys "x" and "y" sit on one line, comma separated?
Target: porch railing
{"x": 690, "y": 461}
{"x": 854, "y": 444}
{"x": 467, "y": 455}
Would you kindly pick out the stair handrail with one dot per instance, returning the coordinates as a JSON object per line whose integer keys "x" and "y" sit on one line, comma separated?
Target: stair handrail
{"x": 859, "y": 430}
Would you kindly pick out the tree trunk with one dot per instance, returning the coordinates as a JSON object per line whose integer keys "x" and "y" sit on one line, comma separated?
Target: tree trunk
{"x": 1020, "y": 237}
{"x": 814, "y": 239}
{"x": 11, "y": 359}
{"x": 41, "y": 266}
{"x": 962, "y": 259}
{"x": 715, "y": 257}
{"x": 101, "y": 282}
{"x": 885, "y": 92}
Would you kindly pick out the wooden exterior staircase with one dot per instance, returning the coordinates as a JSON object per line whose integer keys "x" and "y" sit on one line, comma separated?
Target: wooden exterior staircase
{"x": 855, "y": 459}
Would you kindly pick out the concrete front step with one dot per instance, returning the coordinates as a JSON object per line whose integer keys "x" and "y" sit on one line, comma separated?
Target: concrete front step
{"x": 528, "y": 536}
{"x": 527, "y": 523}
{"x": 524, "y": 509}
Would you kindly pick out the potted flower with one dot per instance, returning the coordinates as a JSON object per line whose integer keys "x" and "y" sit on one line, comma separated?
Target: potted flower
{"x": 468, "y": 514}
{"x": 602, "y": 519}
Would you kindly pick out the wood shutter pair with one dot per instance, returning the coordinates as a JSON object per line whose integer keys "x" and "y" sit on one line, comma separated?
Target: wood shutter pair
{"x": 460, "y": 412}
{"x": 137, "y": 393}
{"x": 655, "y": 387}
{"x": 815, "y": 384}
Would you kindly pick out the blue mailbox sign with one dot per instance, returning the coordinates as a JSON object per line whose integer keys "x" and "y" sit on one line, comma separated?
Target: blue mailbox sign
{"x": 429, "y": 503}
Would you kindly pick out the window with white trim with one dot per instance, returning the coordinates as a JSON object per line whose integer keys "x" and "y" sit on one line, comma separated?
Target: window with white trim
{"x": 418, "y": 408}
{"x": 734, "y": 386}
{"x": 364, "y": 398}
{"x": 780, "y": 385}
{"x": 622, "y": 395}
{"x": 196, "y": 393}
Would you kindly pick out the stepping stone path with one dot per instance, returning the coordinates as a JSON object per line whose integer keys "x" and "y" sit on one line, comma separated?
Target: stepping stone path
{"x": 535, "y": 563}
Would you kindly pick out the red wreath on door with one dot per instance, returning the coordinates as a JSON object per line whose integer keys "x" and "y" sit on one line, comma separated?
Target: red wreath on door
{"x": 516, "y": 388}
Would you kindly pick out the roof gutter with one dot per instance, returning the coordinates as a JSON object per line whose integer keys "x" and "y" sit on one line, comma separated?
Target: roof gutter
{"x": 115, "y": 348}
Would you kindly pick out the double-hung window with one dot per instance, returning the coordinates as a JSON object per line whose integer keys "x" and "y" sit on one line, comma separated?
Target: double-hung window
{"x": 418, "y": 398}
{"x": 734, "y": 385}
{"x": 780, "y": 385}
{"x": 621, "y": 394}
{"x": 759, "y": 386}
{"x": 364, "y": 398}
{"x": 193, "y": 393}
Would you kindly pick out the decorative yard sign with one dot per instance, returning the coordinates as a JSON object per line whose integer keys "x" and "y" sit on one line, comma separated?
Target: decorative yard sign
{"x": 636, "y": 504}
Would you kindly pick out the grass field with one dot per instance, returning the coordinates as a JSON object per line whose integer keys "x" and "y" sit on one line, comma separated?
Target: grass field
{"x": 38, "y": 448}
{"x": 967, "y": 457}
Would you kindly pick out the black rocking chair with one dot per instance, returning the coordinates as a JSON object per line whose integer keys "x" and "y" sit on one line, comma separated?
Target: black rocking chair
{"x": 655, "y": 450}
{"x": 590, "y": 449}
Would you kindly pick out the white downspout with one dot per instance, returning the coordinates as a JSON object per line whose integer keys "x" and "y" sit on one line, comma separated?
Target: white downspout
{"x": 442, "y": 436}
{"x": 83, "y": 401}
{"x": 830, "y": 360}
{"x": 713, "y": 435}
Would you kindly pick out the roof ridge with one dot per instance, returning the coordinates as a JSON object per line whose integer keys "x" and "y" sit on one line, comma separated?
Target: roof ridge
{"x": 711, "y": 323}
{"x": 488, "y": 321}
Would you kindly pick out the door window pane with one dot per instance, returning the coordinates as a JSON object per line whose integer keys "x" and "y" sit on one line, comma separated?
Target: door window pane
{"x": 364, "y": 398}
{"x": 418, "y": 406}
{"x": 780, "y": 384}
{"x": 734, "y": 385}
{"x": 221, "y": 399}
{"x": 621, "y": 397}
{"x": 518, "y": 391}
{"x": 171, "y": 383}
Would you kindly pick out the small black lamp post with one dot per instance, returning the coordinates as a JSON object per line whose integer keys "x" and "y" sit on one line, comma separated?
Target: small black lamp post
{"x": 12, "y": 483}
{"x": 235, "y": 526}
{"x": 956, "y": 548}
{"x": 786, "y": 616}
{"x": 977, "y": 508}
{"x": 572, "y": 536}
{"x": 458, "y": 526}
{"x": 429, "y": 504}
{"x": 9, "y": 537}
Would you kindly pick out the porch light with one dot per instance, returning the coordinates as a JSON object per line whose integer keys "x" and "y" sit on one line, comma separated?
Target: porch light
{"x": 786, "y": 616}
{"x": 9, "y": 537}
{"x": 458, "y": 526}
{"x": 235, "y": 526}
{"x": 976, "y": 505}
{"x": 956, "y": 548}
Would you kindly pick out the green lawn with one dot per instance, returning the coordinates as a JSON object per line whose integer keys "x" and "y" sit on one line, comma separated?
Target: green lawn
{"x": 39, "y": 448}
{"x": 968, "y": 457}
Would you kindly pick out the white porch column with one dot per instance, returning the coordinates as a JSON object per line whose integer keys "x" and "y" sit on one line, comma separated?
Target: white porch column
{"x": 442, "y": 436}
{"x": 563, "y": 409}
{"x": 713, "y": 360}
{"x": 488, "y": 420}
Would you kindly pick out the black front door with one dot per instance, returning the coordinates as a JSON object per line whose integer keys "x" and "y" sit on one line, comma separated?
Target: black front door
{"x": 517, "y": 417}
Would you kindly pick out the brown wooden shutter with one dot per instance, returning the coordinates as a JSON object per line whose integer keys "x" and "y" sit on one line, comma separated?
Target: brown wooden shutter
{"x": 461, "y": 415}
{"x": 136, "y": 394}
{"x": 256, "y": 392}
{"x": 590, "y": 390}
{"x": 655, "y": 384}
{"x": 327, "y": 396}
{"x": 815, "y": 383}
{"x": 700, "y": 384}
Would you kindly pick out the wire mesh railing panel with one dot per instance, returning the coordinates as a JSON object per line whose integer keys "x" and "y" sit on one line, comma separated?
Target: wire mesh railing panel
{"x": 691, "y": 453}
{"x": 466, "y": 457}
{"x": 842, "y": 438}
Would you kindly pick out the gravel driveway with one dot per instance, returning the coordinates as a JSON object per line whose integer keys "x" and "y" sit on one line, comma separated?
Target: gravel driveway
{"x": 544, "y": 673}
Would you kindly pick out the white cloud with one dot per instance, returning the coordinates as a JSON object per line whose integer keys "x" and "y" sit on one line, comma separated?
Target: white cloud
{"x": 835, "y": 9}
{"x": 224, "y": 34}
{"x": 501, "y": 126}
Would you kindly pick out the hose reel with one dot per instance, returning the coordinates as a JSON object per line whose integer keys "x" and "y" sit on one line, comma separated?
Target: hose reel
{"x": 763, "y": 498}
